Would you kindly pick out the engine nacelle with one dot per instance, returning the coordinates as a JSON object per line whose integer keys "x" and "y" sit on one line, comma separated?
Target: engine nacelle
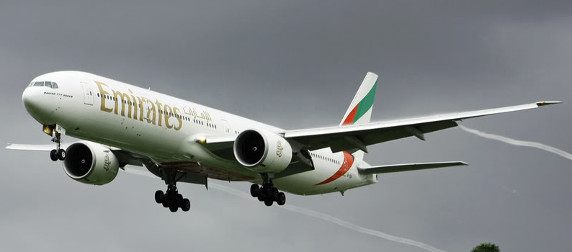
{"x": 90, "y": 163}
{"x": 262, "y": 152}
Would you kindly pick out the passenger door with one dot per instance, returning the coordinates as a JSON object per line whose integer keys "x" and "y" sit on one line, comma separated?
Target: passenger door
{"x": 88, "y": 94}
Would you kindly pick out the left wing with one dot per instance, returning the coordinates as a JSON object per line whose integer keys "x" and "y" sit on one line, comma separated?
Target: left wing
{"x": 360, "y": 136}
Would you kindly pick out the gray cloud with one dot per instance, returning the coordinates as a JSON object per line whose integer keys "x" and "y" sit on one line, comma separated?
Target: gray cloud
{"x": 297, "y": 64}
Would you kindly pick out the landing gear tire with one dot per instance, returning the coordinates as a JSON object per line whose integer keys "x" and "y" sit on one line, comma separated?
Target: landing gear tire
{"x": 186, "y": 206}
{"x": 281, "y": 199}
{"x": 54, "y": 155}
{"x": 254, "y": 190}
{"x": 268, "y": 202}
{"x": 159, "y": 197}
{"x": 61, "y": 154}
{"x": 268, "y": 193}
{"x": 179, "y": 201}
{"x": 172, "y": 199}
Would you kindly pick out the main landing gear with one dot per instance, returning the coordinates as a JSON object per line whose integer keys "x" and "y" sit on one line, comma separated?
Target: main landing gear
{"x": 57, "y": 153}
{"x": 172, "y": 199}
{"x": 267, "y": 192}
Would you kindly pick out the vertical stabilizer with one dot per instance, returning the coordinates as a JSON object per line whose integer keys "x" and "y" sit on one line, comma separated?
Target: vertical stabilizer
{"x": 360, "y": 109}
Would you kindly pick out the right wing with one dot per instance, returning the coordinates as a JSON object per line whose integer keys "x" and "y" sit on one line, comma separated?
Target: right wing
{"x": 124, "y": 157}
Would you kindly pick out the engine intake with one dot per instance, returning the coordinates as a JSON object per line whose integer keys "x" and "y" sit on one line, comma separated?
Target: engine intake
{"x": 90, "y": 163}
{"x": 262, "y": 152}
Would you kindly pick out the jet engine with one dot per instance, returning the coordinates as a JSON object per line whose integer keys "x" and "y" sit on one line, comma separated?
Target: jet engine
{"x": 262, "y": 152}
{"x": 90, "y": 163}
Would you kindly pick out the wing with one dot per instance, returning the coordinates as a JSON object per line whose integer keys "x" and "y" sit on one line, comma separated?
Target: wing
{"x": 125, "y": 158}
{"x": 360, "y": 136}
{"x": 407, "y": 167}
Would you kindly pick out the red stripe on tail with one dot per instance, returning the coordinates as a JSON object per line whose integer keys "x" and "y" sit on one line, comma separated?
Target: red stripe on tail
{"x": 350, "y": 119}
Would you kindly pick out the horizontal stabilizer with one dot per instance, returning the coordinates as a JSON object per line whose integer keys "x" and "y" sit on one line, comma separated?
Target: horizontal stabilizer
{"x": 407, "y": 167}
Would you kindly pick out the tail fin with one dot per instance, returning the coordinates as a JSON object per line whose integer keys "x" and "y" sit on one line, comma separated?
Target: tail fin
{"x": 360, "y": 109}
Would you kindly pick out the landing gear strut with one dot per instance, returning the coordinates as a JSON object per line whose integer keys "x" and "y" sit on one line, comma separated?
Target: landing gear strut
{"x": 172, "y": 199}
{"x": 267, "y": 192}
{"x": 57, "y": 153}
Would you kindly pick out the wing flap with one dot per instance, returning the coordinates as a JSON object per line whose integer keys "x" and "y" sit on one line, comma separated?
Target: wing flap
{"x": 407, "y": 167}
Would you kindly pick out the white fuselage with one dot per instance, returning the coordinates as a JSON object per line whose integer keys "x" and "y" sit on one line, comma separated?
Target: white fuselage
{"x": 165, "y": 129}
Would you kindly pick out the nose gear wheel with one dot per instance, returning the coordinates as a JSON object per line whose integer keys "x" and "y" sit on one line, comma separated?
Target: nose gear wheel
{"x": 57, "y": 153}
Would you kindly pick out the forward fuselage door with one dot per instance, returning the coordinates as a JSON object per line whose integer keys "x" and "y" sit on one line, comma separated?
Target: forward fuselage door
{"x": 88, "y": 94}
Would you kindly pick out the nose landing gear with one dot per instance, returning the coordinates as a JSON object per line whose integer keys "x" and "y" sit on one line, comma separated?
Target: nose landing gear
{"x": 57, "y": 153}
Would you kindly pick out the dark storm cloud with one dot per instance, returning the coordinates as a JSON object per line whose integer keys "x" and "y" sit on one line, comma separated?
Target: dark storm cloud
{"x": 297, "y": 64}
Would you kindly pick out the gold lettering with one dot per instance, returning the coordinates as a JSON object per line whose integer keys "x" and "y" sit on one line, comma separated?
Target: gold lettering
{"x": 137, "y": 105}
{"x": 179, "y": 119}
{"x": 102, "y": 94}
{"x": 141, "y": 108}
{"x": 134, "y": 104}
{"x": 160, "y": 108}
{"x": 168, "y": 112}
{"x": 151, "y": 111}
{"x": 123, "y": 99}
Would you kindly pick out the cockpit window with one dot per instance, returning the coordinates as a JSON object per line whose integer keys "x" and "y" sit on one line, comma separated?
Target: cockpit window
{"x": 49, "y": 84}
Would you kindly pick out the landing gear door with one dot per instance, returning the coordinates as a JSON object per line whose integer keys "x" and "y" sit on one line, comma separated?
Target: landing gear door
{"x": 88, "y": 94}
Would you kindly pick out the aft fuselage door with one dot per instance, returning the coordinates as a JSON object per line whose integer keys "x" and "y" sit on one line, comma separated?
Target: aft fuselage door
{"x": 88, "y": 94}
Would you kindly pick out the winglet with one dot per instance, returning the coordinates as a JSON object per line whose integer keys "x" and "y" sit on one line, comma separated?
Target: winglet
{"x": 544, "y": 103}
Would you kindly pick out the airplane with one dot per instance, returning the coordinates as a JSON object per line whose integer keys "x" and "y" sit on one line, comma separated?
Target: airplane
{"x": 119, "y": 124}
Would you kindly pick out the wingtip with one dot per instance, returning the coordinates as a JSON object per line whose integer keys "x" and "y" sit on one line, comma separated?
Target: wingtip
{"x": 544, "y": 103}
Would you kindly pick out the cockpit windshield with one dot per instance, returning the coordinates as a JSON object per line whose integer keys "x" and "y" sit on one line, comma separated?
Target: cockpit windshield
{"x": 49, "y": 84}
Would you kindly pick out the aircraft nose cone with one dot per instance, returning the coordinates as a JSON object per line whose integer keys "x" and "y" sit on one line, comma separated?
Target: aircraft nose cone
{"x": 28, "y": 99}
{"x": 32, "y": 99}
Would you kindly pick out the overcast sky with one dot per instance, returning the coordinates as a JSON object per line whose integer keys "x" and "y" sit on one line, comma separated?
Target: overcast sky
{"x": 297, "y": 64}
